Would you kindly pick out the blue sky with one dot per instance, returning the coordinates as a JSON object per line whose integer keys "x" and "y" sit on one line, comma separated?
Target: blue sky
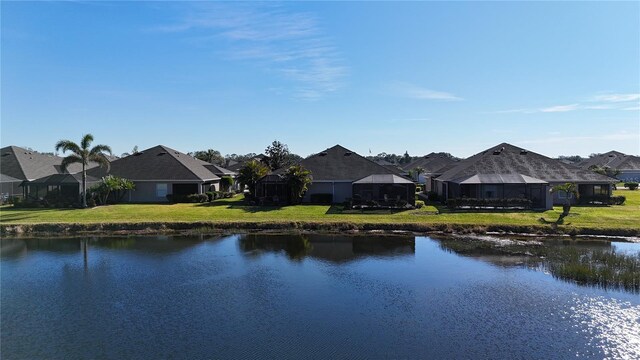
{"x": 555, "y": 78}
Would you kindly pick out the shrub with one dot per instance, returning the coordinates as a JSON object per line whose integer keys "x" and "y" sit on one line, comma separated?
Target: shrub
{"x": 618, "y": 200}
{"x": 475, "y": 203}
{"x": 210, "y": 196}
{"x": 197, "y": 198}
{"x": 631, "y": 185}
{"x": 602, "y": 200}
{"x": 91, "y": 202}
{"x": 419, "y": 204}
{"x": 321, "y": 198}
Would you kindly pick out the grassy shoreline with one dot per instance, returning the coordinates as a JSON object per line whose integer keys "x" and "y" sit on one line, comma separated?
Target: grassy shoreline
{"x": 232, "y": 213}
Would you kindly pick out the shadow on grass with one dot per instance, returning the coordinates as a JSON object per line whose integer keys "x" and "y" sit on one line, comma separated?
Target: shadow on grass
{"x": 241, "y": 205}
{"x": 339, "y": 210}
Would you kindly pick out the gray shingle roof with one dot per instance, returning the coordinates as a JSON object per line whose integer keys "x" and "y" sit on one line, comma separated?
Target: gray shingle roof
{"x": 431, "y": 163}
{"x": 219, "y": 170}
{"x": 60, "y": 179}
{"x": 26, "y": 164}
{"x": 383, "y": 179}
{"x": 508, "y": 159}
{"x": 340, "y": 164}
{"x": 159, "y": 163}
{"x": 614, "y": 160}
{"x": 501, "y": 179}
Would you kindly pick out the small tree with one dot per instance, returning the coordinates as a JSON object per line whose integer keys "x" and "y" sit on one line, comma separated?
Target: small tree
{"x": 112, "y": 184}
{"x": 298, "y": 179}
{"x": 226, "y": 182}
{"x": 604, "y": 170}
{"x": 570, "y": 190}
{"x": 250, "y": 173}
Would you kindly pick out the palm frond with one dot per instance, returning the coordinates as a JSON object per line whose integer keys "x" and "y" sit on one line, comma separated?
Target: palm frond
{"x": 86, "y": 141}
{"x": 101, "y": 159}
{"x": 71, "y": 159}
{"x": 68, "y": 145}
{"x": 100, "y": 149}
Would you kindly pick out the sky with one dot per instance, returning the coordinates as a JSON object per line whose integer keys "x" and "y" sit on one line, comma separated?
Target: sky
{"x": 558, "y": 78}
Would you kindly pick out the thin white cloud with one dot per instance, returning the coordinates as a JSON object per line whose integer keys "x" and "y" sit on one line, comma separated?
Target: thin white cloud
{"x": 288, "y": 43}
{"x": 608, "y": 101}
{"x": 421, "y": 93}
{"x": 633, "y": 108}
{"x": 615, "y": 98}
{"x": 561, "y": 108}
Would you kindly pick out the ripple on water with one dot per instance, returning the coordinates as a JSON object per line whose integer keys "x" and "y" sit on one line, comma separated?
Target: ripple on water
{"x": 612, "y": 325}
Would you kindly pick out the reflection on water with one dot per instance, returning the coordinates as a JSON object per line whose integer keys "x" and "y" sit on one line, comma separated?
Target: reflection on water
{"x": 336, "y": 248}
{"x": 296, "y": 296}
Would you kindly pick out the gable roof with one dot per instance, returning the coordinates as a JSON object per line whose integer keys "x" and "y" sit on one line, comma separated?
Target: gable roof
{"x": 340, "y": 164}
{"x": 613, "y": 160}
{"x": 508, "y": 159}
{"x": 159, "y": 163}
{"x": 431, "y": 163}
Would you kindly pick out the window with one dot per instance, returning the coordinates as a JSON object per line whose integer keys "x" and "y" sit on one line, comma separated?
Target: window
{"x": 600, "y": 190}
{"x": 161, "y": 190}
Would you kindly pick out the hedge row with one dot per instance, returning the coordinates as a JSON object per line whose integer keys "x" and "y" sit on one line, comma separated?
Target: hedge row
{"x": 475, "y": 203}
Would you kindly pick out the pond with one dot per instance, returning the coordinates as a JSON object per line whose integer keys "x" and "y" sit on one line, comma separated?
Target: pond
{"x": 298, "y": 296}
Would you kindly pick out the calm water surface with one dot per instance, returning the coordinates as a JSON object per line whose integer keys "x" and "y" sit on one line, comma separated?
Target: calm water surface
{"x": 268, "y": 296}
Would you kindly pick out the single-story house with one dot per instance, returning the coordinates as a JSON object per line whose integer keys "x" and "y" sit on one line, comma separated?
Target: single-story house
{"x": 340, "y": 174}
{"x": 18, "y": 165}
{"x": 506, "y": 171}
{"x": 627, "y": 165}
{"x": 160, "y": 171}
{"x": 433, "y": 165}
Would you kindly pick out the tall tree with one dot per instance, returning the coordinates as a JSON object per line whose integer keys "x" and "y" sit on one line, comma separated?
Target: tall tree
{"x": 211, "y": 156}
{"x": 250, "y": 173}
{"x": 278, "y": 154}
{"x": 405, "y": 158}
{"x": 83, "y": 154}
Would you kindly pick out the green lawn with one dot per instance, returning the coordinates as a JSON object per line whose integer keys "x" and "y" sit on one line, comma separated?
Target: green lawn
{"x": 626, "y": 216}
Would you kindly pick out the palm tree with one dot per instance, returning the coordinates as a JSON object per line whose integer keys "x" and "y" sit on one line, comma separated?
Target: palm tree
{"x": 416, "y": 172}
{"x": 83, "y": 154}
